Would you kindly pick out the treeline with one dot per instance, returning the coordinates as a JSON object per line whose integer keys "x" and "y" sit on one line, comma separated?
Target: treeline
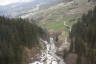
{"x": 83, "y": 38}
{"x": 15, "y": 35}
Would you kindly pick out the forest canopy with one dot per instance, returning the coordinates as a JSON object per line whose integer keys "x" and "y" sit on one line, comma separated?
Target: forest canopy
{"x": 83, "y": 38}
{"x": 15, "y": 34}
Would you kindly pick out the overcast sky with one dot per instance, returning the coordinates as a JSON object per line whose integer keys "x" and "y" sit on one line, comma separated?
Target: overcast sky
{"x": 6, "y": 2}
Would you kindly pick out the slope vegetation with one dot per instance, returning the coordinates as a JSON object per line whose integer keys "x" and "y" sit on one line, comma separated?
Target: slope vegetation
{"x": 17, "y": 35}
{"x": 56, "y": 16}
{"x": 83, "y": 38}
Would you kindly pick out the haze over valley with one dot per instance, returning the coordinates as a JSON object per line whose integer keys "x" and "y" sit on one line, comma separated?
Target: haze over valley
{"x": 48, "y": 32}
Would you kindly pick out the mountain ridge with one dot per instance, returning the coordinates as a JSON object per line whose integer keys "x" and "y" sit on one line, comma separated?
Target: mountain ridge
{"x": 13, "y": 9}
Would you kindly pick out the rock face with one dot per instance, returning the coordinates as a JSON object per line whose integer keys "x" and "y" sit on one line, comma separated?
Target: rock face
{"x": 71, "y": 58}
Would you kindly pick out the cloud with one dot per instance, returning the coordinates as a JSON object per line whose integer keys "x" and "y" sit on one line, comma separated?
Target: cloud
{"x": 6, "y": 2}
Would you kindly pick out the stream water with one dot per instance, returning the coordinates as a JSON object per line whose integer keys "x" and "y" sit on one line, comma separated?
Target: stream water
{"x": 49, "y": 54}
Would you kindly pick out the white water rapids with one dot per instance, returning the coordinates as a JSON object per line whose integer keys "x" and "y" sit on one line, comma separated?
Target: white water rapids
{"x": 49, "y": 55}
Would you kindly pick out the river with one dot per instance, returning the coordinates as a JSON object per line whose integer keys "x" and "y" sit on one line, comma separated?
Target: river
{"x": 49, "y": 54}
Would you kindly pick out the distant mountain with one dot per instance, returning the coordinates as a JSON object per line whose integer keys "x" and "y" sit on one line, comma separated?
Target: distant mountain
{"x": 16, "y": 9}
{"x": 56, "y": 16}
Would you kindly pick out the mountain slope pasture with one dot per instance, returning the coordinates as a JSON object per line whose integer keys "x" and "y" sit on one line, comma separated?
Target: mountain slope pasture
{"x": 63, "y": 12}
{"x": 57, "y": 15}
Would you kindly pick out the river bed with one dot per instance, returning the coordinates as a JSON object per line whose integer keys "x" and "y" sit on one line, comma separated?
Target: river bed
{"x": 49, "y": 54}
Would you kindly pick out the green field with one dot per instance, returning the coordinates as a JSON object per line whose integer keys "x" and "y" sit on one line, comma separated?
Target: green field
{"x": 54, "y": 17}
{"x": 56, "y": 25}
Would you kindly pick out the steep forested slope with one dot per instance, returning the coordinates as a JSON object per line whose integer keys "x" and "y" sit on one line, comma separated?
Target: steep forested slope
{"x": 83, "y": 38}
{"x": 15, "y": 36}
